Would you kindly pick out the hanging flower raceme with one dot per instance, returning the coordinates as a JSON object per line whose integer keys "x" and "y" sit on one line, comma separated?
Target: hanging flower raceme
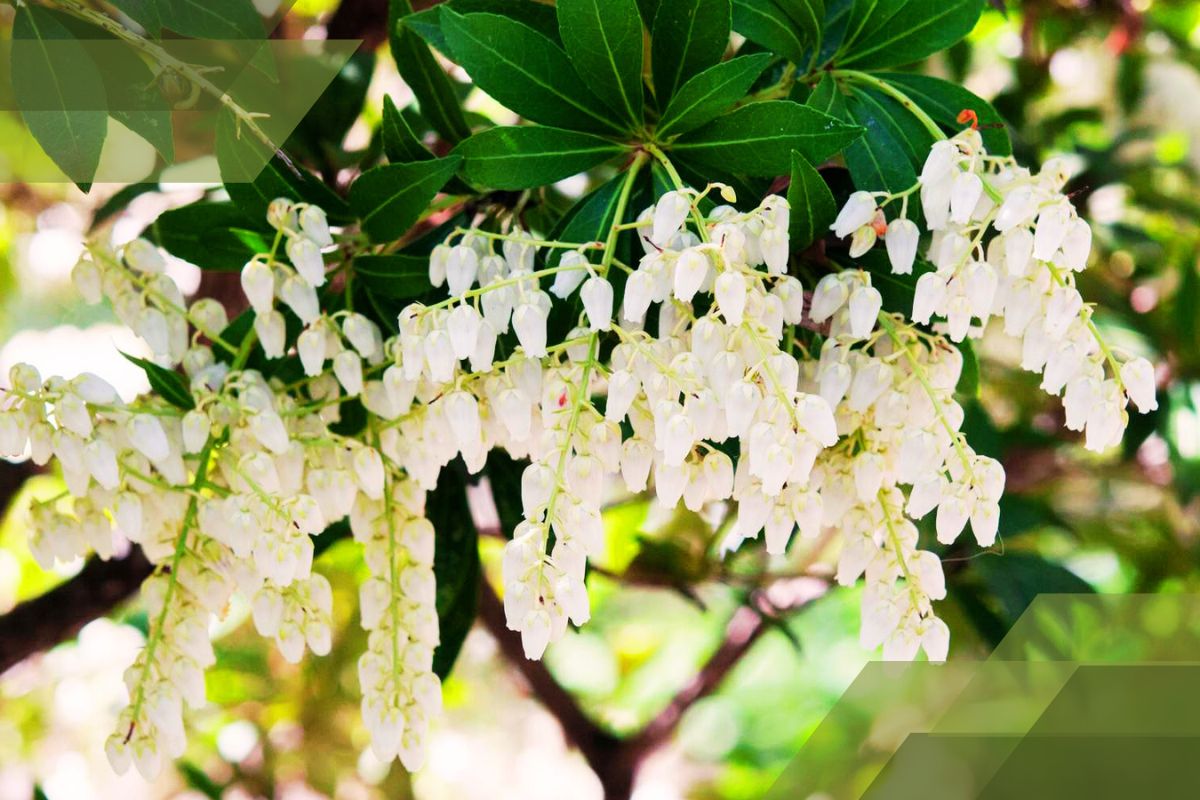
{"x": 697, "y": 371}
{"x": 1007, "y": 243}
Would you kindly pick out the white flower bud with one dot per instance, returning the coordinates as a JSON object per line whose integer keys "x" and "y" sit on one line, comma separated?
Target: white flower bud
{"x": 669, "y": 214}
{"x": 368, "y": 470}
{"x": 301, "y": 297}
{"x": 730, "y": 291}
{"x": 272, "y": 333}
{"x": 965, "y": 192}
{"x": 147, "y": 436}
{"x": 143, "y": 256}
{"x": 597, "y": 297}
{"x": 901, "y": 240}
{"x": 311, "y": 347}
{"x": 573, "y": 266}
{"x": 691, "y": 269}
{"x": 258, "y": 284}
{"x": 364, "y": 335}
{"x": 462, "y": 265}
{"x": 347, "y": 366}
{"x": 858, "y": 211}
{"x": 865, "y": 304}
{"x": 315, "y": 225}
{"x": 306, "y": 257}
{"x": 88, "y": 281}
{"x": 828, "y": 298}
{"x": 1137, "y": 375}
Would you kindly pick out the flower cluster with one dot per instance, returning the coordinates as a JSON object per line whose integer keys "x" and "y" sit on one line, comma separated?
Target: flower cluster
{"x": 1007, "y": 243}
{"x": 702, "y": 370}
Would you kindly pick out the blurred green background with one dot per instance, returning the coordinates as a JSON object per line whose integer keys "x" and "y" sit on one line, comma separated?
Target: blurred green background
{"x": 1112, "y": 83}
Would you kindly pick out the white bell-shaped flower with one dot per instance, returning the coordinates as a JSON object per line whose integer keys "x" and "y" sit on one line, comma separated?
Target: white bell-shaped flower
{"x": 597, "y": 297}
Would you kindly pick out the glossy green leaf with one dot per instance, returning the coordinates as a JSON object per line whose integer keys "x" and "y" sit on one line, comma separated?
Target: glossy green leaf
{"x": 522, "y": 157}
{"x": 398, "y": 275}
{"x": 168, "y": 384}
{"x": 944, "y": 101}
{"x": 213, "y": 236}
{"x": 455, "y": 566}
{"x": 886, "y": 156}
{"x": 60, "y": 93}
{"x": 400, "y": 143}
{"x": 391, "y": 198}
{"x": 525, "y": 71}
{"x": 197, "y": 19}
{"x": 919, "y": 28}
{"x": 603, "y": 38}
{"x": 326, "y": 124}
{"x": 807, "y": 15}
{"x": 131, "y": 90}
{"x": 758, "y": 139}
{"x": 811, "y": 202}
{"x": 711, "y": 92}
{"x": 764, "y": 22}
{"x": 253, "y": 187}
{"x": 428, "y": 23}
{"x": 689, "y": 37}
{"x": 429, "y": 83}
{"x": 1017, "y": 578}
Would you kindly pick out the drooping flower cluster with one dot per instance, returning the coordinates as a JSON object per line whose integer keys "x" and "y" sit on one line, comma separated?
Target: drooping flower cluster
{"x": 1007, "y": 243}
{"x": 702, "y": 371}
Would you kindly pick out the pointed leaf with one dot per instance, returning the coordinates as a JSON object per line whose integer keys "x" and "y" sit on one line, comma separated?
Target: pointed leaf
{"x": 213, "y": 236}
{"x": 812, "y": 204}
{"x": 429, "y": 83}
{"x": 428, "y": 23}
{"x": 886, "y": 156}
{"x": 455, "y": 566}
{"x": 944, "y": 100}
{"x": 391, "y": 198}
{"x": 689, "y": 36}
{"x": 522, "y": 157}
{"x": 239, "y": 157}
{"x": 60, "y": 93}
{"x": 524, "y": 70}
{"x": 711, "y": 92}
{"x": 398, "y": 275}
{"x": 764, "y": 22}
{"x": 168, "y": 384}
{"x": 918, "y": 29}
{"x": 758, "y": 139}
{"x": 604, "y": 41}
{"x": 400, "y": 143}
{"x": 807, "y": 15}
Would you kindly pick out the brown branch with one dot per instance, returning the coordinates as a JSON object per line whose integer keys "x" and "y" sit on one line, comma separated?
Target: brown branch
{"x": 579, "y": 730}
{"x": 745, "y": 628}
{"x": 44, "y": 621}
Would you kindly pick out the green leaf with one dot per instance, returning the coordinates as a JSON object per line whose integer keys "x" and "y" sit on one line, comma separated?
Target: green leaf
{"x": 238, "y": 157}
{"x": 213, "y": 236}
{"x": 886, "y": 156}
{"x": 429, "y": 83}
{"x": 689, "y": 36}
{"x": 399, "y": 275}
{"x": 169, "y": 385}
{"x": 326, "y": 124}
{"x": 603, "y": 38}
{"x": 711, "y": 92}
{"x": 807, "y": 16}
{"x": 812, "y": 204}
{"x": 944, "y": 101}
{"x": 1016, "y": 578}
{"x": 919, "y": 28}
{"x": 455, "y": 566}
{"x": 764, "y": 22}
{"x": 60, "y": 92}
{"x": 212, "y": 19}
{"x": 428, "y": 23}
{"x": 400, "y": 143}
{"x": 391, "y": 198}
{"x": 524, "y": 71}
{"x": 758, "y": 139}
{"x": 131, "y": 90}
{"x": 522, "y": 157}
